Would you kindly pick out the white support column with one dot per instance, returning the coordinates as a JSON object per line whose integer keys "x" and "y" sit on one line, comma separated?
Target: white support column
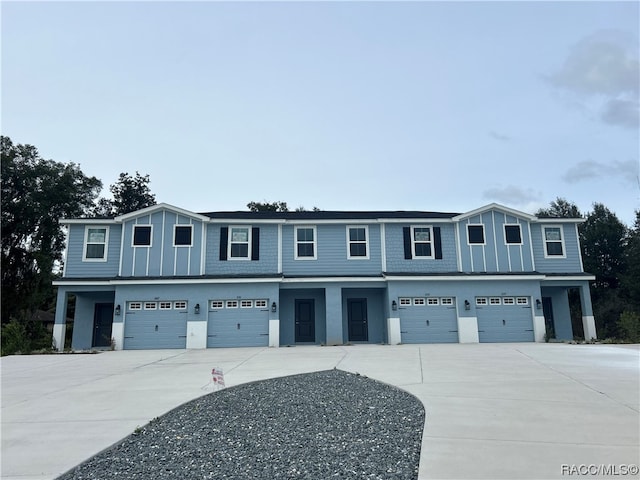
{"x": 589, "y": 327}
{"x": 196, "y": 334}
{"x": 468, "y": 330}
{"x": 274, "y": 333}
{"x": 59, "y": 333}
{"x": 393, "y": 331}
{"x": 539, "y": 329}
{"x": 117, "y": 333}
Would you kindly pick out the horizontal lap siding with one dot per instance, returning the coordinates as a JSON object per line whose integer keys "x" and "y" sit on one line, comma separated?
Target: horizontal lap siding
{"x": 76, "y": 267}
{"x": 266, "y": 264}
{"x": 331, "y": 253}
{"x": 557, "y": 265}
{"x": 396, "y": 261}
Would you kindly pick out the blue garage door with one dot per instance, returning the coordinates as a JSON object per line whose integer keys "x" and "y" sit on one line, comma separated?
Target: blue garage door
{"x": 504, "y": 319}
{"x": 155, "y": 325}
{"x": 428, "y": 320}
{"x": 238, "y": 323}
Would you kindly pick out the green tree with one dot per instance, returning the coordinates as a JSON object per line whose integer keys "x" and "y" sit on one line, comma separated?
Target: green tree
{"x": 630, "y": 282}
{"x": 129, "y": 194}
{"x": 36, "y": 193}
{"x": 560, "y": 208}
{"x": 268, "y": 206}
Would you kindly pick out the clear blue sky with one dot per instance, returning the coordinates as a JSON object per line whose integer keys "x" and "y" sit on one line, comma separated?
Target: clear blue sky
{"x": 339, "y": 105}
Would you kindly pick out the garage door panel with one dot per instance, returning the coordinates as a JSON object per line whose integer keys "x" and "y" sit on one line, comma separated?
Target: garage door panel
{"x": 238, "y": 327}
{"x": 155, "y": 330}
{"x": 429, "y": 324}
{"x": 505, "y": 323}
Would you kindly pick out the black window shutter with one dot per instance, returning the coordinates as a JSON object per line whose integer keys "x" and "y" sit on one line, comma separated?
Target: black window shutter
{"x": 437, "y": 243}
{"x": 255, "y": 243}
{"x": 406, "y": 232}
{"x": 224, "y": 239}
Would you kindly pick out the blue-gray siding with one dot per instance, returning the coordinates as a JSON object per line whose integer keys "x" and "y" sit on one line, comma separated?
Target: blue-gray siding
{"x": 75, "y": 267}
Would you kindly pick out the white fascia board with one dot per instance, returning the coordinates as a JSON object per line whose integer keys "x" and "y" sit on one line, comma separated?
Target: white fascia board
{"x": 87, "y": 221}
{"x": 572, "y": 278}
{"x": 245, "y": 221}
{"x": 421, "y": 221}
{"x": 332, "y": 279}
{"x": 560, "y": 220}
{"x": 495, "y": 206}
{"x": 463, "y": 278}
{"x": 185, "y": 281}
{"x": 161, "y": 206}
{"x": 73, "y": 283}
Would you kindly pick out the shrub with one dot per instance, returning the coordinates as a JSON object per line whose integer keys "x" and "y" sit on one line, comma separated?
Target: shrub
{"x": 629, "y": 326}
{"x": 14, "y": 338}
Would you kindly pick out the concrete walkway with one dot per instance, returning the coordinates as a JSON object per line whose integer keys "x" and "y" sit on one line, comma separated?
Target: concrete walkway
{"x": 493, "y": 410}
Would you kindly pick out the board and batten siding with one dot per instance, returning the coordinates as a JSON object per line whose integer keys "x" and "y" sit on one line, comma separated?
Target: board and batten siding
{"x": 332, "y": 247}
{"x": 76, "y": 267}
{"x": 572, "y": 255}
{"x": 267, "y": 252}
{"x": 495, "y": 255}
{"x": 395, "y": 250}
{"x": 162, "y": 258}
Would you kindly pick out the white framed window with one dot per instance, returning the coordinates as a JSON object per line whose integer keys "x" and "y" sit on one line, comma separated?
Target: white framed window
{"x": 358, "y": 242}
{"x": 481, "y": 301}
{"x": 231, "y": 304}
{"x": 553, "y": 242}
{"x": 422, "y": 241}
{"x": 475, "y": 234}
{"x": 183, "y": 235}
{"x": 512, "y": 234}
{"x": 96, "y": 240}
{"x": 508, "y": 301}
{"x": 141, "y": 235}
{"x": 446, "y": 301}
{"x": 180, "y": 305}
{"x": 522, "y": 301}
{"x": 246, "y": 303}
{"x": 239, "y": 243}
{"x": 405, "y": 301}
{"x": 495, "y": 301}
{"x": 150, "y": 306}
{"x": 165, "y": 305}
{"x": 217, "y": 304}
{"x": 261, "y": 304}
{"x": 433, "y": 301}
{"x": 305, "y": 243}
{"x": 418, "y": 301}
{"x": 135, "y": 305}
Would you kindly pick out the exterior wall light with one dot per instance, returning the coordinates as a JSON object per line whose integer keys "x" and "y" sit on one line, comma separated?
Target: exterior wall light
{"x": 118, "y": 310}
{"x": 538, "y": 304}
{"x": 196, "y": 309}
{"x": 467, "y": 305}
{"x": 274, "y": 307}
{"x": 394, "y": 305}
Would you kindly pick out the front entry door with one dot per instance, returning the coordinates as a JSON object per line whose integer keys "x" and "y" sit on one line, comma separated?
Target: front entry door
{"x": 357, "y": 318}
{"x": 102, "y": 321}
{"x": 305, "y": 320}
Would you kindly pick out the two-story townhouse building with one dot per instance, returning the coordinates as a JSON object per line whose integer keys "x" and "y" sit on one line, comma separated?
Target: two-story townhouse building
{"x": 164, "y": 277}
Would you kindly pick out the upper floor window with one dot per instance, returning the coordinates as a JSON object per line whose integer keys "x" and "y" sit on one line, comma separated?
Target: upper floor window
{"x": 183, "y": 236}
{"x": 142, "y": 235}
{"x": 357, "y": 242}
{"x": 553, "y": 242}
{"x": 475, "y": 234}
{"x": 305, "y": 243}
{"x": 422, "y": 242}
{"x": 95, "y": 244}
{"x": 239, "y": 242}
{"x": 512, "y": 235}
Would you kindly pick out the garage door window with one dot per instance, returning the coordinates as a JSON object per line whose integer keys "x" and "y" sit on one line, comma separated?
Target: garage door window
{"x": 150, "y": 306}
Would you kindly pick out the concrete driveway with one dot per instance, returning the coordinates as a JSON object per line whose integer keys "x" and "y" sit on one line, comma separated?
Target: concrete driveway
{"x": 493, "y": 410}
